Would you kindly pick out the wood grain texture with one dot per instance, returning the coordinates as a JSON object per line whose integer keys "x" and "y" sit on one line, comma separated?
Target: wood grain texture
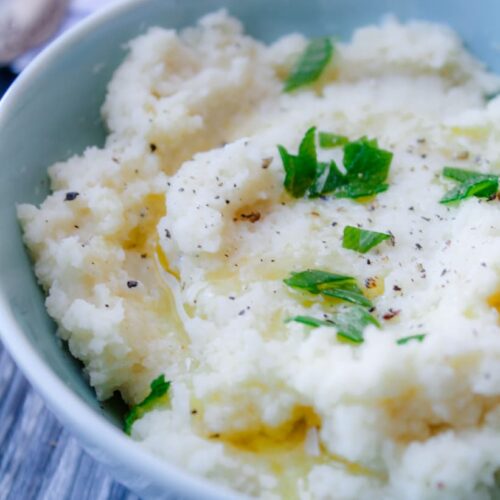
{"x": 38, "y": 458}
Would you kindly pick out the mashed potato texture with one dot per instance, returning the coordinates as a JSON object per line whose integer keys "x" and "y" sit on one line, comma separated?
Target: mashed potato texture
{"x": 165, "y": 252}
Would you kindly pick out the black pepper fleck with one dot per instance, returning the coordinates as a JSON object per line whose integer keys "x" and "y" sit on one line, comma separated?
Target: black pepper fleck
{"x": 72, "y": 195}
{"x": 132, "y": 283}
{"x": 390, "y": 314}
{"x": 251, "y": 217}
{"x": 266, "y": 162}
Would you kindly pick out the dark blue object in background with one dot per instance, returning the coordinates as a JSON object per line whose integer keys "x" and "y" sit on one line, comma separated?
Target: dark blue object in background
{"x": 6, "y": 78}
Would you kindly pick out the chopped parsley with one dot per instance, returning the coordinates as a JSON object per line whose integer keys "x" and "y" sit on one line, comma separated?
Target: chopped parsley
{"x": 350, "y": 323}
{"x": 328, "y": 140}
{"x": 310, "y": 321}
{"x": 158, "y": 394}
{"x": 366, "y": 170}
{"x": 310, "y": 65}
{"x": 328, "y": 285}
{"x": 470, "y": 184}
{"x": 491, "y": 95}
{"x": 419, "y": 338}
{"x": 300, "y": 170}
{"x": 328, "y": 178}
{"x": 362, "y": 240}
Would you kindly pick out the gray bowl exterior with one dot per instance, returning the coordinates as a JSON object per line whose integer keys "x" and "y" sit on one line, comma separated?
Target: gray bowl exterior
{"x": 53, "y": 112}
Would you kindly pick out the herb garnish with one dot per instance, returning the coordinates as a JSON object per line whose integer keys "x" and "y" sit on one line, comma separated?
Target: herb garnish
{"x": 310, "y": 65}
{"x": 420, "y": 337}
{"x": 329, "y": 285}
{"x": 310, "y": 321}
{"x": 366, "y": 170}
{"x": 471, "y": 184}
{"x": 300, "y": 170}
{"x": 491, "y": 95}
{"x": 362, "y": 240}
{"x": 350, "y": 323}
{"x": 159, "y": 389}
{"x": 328, "y": 140}
{"x": 328, "y": 178}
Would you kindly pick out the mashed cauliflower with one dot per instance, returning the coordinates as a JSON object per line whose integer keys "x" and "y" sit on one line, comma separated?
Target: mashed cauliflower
{"x": 165, "y": 253}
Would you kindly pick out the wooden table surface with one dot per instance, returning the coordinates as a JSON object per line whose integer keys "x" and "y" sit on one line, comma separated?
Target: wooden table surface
{"x": 38, "y": 458}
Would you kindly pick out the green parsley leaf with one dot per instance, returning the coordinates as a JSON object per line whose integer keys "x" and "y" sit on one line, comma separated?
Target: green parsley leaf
{"x": 420, "y": 337}
{"x": 367, "y": 169}
{"x": 159, "y": 389}
{"x": 462, "y": 175}
{"x": 366, "y": 165}
{"x": 479, "y": 189}
{"x": 362, "y": 240}
{"x": 316, "y": 188}
{"x": 310, "y": 65}
{"x": 328, "y": 140}
{"x": 300, "y": 170}
{"x": 490, "y": 96}
{"x": 349, "y": 293}
{"x": 314, "y": 280}
{"x": 310, "y": 321}
{"x": 334, "y": 179}
{"x": 328, "y": 178}
{"x": 471, "y": 184}
{"x": 329, "y": 285}
{"x": 350, "y": 323}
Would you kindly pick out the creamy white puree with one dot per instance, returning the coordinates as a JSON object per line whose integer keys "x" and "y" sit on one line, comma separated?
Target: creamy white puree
{"x": 268, "y": 408}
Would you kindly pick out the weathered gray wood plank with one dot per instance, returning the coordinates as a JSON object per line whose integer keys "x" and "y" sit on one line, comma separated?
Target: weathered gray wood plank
{"x": 38, "y": 458}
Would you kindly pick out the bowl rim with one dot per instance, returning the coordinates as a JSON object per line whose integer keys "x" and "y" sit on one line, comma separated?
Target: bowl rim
{"x": 73, "y": 412}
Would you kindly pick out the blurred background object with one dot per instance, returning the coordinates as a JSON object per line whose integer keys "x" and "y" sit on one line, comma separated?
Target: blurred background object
{"x": 24, "y": 24}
